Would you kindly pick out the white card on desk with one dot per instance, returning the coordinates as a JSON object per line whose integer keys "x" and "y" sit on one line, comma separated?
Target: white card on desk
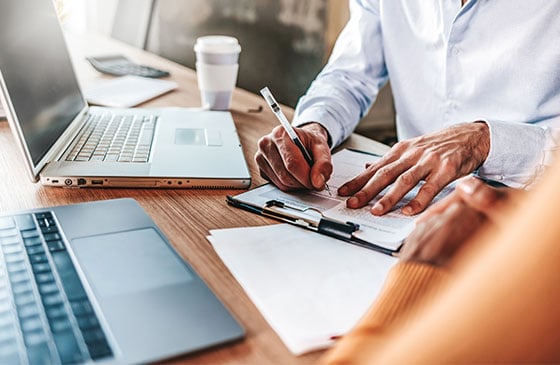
{"x": 309, "y": 287}
{"x": 127, "y": 91}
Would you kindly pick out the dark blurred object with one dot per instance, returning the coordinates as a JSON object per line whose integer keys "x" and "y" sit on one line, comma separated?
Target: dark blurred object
{"x": 283, "y": 42}
{"x": 118, "y": 65}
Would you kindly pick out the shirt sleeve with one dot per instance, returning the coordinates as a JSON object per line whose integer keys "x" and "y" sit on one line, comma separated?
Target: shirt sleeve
{"x": 347, "y": 86}
{"x": 520, "y": 152}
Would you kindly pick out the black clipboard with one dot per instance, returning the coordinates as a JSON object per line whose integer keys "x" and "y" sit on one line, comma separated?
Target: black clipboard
{"x": 330, "y": 227}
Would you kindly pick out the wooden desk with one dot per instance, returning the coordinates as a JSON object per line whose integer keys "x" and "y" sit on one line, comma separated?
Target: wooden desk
{"x": 185, "y": 216}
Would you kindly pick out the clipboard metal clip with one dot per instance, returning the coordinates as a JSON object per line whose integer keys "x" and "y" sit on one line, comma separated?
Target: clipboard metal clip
{"x": 298, "y": 216}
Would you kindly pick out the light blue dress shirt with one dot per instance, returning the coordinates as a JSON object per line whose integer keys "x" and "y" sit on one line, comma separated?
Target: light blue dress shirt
{"x": 491, "y": 60}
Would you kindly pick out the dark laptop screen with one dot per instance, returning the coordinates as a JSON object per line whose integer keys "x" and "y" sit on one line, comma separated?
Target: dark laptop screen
{"x": 37, "y": 72}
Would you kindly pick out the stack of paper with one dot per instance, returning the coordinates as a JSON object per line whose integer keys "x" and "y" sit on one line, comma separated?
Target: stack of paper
{"x": 309, "y": 287}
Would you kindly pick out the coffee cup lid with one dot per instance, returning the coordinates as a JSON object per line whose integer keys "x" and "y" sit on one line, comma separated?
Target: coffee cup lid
{"x": 217, "y": 44}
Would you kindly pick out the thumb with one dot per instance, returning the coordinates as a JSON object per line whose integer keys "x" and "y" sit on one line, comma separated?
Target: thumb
{"x": 322, "y": 167}
{"x": 480, "y": 196}
{"x": 315, "y": 140}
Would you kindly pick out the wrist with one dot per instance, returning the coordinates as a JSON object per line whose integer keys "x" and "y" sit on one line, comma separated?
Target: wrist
{"x": 319, "y": 131}
{"x": 482, "y": 144}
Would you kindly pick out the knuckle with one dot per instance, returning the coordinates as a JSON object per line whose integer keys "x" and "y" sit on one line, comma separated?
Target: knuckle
{"x": 448, "y": 167}
{"x": 428, "y": 190}
{"x": 277, "y": 133}
{"x": 408, "y": 158}
{"x": 364, "y": 195}
{"x": 415, "y": 205}
{"x": 402, "y": 145}
{"x": 263, "y": 143}
{"x": 384, "y": 173}
{"x": 388, "y": 200}
{"x": 353, "y": 185}
{"x": 291, "y": 163}
{"x": 371, "y": 168}
{"x": 408, "y": 179}
{"x": 431, "y": 158}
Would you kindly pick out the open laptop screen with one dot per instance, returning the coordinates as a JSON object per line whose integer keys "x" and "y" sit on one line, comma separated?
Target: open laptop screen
{"x": 37, "y": 72}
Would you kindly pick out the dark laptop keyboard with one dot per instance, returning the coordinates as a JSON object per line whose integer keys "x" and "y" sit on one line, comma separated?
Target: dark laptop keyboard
{"x": 115, "y": 138}
{"x": 45, "y": 314}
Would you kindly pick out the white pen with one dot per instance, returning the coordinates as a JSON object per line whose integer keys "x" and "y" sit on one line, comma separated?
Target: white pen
{"x": 265, "y": 92}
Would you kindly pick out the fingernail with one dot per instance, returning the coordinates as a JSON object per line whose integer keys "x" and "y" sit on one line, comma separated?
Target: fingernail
{"x": 343, "y": 190}
{"x": 377, "y": 208}
{"x": 353, "y": 201}
{"x": 407, "y": 210}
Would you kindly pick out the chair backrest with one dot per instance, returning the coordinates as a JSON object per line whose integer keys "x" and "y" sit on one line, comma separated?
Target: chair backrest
{"x": 132, "y": 21}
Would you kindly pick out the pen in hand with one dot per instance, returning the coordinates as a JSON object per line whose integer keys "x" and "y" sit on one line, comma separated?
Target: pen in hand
{"x": 265, "y": 92}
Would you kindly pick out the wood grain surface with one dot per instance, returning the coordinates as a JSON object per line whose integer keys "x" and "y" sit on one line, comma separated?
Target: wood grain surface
{"x": 185, "y": 216}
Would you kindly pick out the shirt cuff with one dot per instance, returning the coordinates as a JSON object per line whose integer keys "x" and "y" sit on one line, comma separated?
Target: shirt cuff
{"x": 516, "y": 153}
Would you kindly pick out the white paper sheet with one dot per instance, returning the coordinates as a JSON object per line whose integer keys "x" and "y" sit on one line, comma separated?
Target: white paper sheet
{"x": 127, "y": 91}
{"x": 309, "y": 287}
{"x": 387, "y": 231}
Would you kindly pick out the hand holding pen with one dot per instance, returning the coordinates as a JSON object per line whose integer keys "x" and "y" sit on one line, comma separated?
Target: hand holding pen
{"x": 293, "y": 160}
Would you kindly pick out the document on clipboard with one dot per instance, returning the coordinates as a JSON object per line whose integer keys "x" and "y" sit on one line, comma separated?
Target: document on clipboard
{"x": 318, "y": 211}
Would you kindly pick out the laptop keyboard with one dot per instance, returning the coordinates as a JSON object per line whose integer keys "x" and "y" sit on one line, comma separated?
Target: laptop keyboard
{"x": 45, "y": 314}
{"x": 116, "y": 138}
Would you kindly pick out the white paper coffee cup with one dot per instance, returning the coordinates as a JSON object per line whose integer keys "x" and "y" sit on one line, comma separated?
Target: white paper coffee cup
{"x": 217, "y": 67}
{"x": 216, "y": 84}
{"x": 217, "y": 50}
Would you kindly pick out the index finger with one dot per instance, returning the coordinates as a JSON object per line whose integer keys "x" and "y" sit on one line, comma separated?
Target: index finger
{"x": 354, "y": 185}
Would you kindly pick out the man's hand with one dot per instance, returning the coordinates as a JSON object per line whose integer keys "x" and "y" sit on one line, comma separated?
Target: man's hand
{"x": 436, "y": 158}
{"x": 445, "y": 227}
{"x": 477, "y": 195}
{"x": 282, "y": 163}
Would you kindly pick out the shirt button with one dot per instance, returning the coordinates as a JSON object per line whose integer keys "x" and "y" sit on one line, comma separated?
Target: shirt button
{"x": 455, "y": 50}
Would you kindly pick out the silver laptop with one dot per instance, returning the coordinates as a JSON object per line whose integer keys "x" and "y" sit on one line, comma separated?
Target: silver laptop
{"x": 67, "y": 143}
{"x": 99, "y": 282}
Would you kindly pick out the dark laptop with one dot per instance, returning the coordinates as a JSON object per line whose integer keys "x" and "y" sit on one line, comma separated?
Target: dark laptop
{"x": 99, "y": 282}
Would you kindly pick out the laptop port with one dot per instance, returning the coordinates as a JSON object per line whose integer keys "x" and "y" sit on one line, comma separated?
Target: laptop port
{"x": 96, "y": 182}
{"x": 81, "y": 181}
{"x": 68, "y": 182}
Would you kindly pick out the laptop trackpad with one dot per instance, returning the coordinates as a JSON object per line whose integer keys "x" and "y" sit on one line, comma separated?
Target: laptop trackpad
{"x": 129, "y": 262}
{"x": 198, "y": 137}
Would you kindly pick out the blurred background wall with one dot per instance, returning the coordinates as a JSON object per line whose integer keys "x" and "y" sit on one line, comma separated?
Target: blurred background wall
{"x": 285, "y": 42}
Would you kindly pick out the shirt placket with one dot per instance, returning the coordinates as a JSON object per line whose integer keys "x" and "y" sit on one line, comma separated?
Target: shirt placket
{"x": 457, "y": 17}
